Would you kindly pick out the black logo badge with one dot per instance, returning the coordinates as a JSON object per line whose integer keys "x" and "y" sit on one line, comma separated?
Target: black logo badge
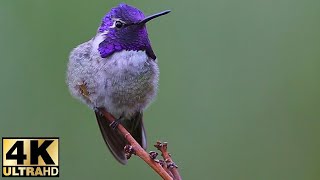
{"x": 30, "y": 157}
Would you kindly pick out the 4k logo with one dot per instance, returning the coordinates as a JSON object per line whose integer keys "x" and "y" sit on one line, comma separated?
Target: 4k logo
{"x": 30, "y": 157}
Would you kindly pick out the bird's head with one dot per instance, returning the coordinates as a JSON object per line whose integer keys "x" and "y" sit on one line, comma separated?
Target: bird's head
{"x": 124, "y": 28}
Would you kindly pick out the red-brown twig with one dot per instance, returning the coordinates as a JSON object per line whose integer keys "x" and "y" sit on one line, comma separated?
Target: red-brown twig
{"x": 173, "y": 168}
{"x": 139, "y": 151}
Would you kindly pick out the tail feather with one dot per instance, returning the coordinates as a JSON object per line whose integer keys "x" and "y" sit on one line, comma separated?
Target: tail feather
{"x": 136, "y": 128}
{"x": 115, "y": 141}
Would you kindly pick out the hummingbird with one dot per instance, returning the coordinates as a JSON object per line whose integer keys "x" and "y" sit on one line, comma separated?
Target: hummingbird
{"x": 116, "y": 71}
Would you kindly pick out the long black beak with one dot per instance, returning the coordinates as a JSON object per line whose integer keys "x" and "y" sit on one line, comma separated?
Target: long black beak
{"x": 145, "y": 20}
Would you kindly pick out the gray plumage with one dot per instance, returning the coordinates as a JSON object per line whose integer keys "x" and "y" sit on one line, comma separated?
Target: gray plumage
{"x": 124, "y": 84}
{"x": 117, "y": 72}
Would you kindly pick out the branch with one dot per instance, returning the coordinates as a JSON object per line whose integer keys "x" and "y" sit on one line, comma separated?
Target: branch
{"x": 173, "y": 168}
{"x": 139, "y": 151}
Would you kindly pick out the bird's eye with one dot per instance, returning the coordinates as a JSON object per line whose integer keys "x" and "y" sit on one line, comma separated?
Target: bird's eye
{"x": 119, "y": 24}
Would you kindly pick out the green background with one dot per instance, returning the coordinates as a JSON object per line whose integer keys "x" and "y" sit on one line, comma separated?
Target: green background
{"x": 239, "y": 86}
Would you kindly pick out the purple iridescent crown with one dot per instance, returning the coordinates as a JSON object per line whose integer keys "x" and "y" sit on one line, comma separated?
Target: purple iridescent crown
{"x": 123, "y": 31}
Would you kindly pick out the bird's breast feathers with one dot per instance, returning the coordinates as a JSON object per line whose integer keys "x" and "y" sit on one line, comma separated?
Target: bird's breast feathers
{"x": 125, "y": 82}
{"x": 131, "y": 81}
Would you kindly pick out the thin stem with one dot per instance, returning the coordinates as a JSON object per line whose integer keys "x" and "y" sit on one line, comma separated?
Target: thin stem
{"x": 139, "y": 151}
{"x": 168, "y": 160}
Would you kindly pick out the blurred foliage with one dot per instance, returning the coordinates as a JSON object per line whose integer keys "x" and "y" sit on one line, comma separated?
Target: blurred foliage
{"x": 239, "y": 90}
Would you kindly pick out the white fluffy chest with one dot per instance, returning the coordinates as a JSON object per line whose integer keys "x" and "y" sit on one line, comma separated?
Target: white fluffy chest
{"x": 129, "y": 61}
{"x": 124, "y": 83}
{"x": 131, "y": 81}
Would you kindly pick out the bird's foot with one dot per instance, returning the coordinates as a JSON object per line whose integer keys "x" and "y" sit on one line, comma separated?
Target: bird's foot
{"x": 114, "y": 124}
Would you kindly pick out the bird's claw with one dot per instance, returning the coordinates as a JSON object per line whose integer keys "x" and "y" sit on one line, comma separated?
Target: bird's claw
{"x": 114, "y": 124}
